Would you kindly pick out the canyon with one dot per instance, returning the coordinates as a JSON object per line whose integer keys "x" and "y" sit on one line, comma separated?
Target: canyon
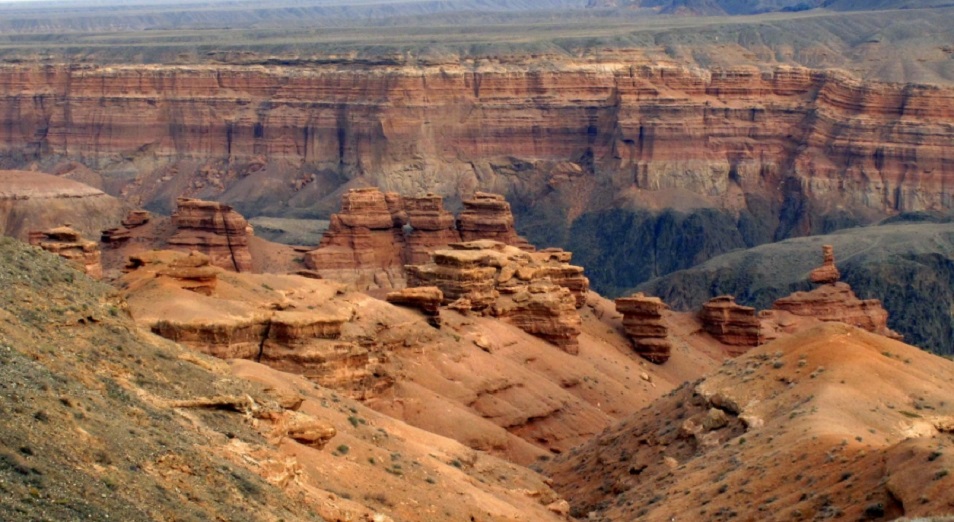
{"x": 691, "y": 162}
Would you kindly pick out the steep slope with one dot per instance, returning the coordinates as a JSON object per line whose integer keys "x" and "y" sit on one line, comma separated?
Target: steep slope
{"x": 906, "y": 265}
{"x": 105, "y": 421}
{"x": 832, "y": 422}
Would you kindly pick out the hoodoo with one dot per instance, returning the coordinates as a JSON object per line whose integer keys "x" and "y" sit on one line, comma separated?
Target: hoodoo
{"x": 834, "y": 300}
{"x": 642, "y": 320}
{"x": 213, "y": 229}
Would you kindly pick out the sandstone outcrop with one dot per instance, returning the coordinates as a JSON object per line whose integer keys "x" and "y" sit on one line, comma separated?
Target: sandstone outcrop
{"x": 364, "y": 239}
{"x": 213, "y": 229}
{"x": 731, "y": 323}
{"x": 31, "y": 201}
{"x": 642, "y": 320}
{"x": 432, "y": 227}
{"x": 488, "y": 216}
{"x": 69, "y": 244}
{"x": 835, "y": 301}
{"x": 427, "y": 299}
{"x": 507, "y": 282}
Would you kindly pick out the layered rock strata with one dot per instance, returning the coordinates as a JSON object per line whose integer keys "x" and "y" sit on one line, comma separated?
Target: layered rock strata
{"x": 213, "y": 229}
{"x": 643, "y": 323}
{"x": 488, "y": 216}
{"x": 432, "y": 227}
{"x": 835, "y": 301}
{"x": 69, "y": 244}
{"x": 365, "y": 239}
{"x": 507, "y": 282}
{"x": 648, "y": 126}
{"x": 731, "y": 323}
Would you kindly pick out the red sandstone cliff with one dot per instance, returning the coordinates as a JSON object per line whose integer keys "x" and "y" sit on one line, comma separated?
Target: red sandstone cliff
{"x": 290, "y": 135}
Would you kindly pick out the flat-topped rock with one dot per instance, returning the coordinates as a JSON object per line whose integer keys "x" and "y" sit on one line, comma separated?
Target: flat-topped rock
{"x": 432, "y": 227}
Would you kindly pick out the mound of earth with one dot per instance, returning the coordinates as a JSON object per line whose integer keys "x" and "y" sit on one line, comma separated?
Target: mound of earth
{"x": 103, "y": 420}
{"x": 832, "y": 422}
{"x": 909, "y": 266}
{"x": 31, "y": 201}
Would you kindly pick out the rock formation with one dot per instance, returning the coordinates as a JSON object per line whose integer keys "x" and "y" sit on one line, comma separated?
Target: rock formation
{"x": 505, "y": 281}
{"x": 193, "y": 272}
{"x": 31, "y": 201}
{"x": 488, "y": 216}
{"x": 427, "y": 299}
{"x": 69, "y": 244}
{"x": 642, "y": 320}
{"x": 213, "y": 229}
{"x": 827, "y": 273}
{"x": 365, "y": 239}
{"x": 731, "y": 323}
{"x": 835, "y": 301}
{"x": 432, "y": 227}
{"x": 120, "y": 235}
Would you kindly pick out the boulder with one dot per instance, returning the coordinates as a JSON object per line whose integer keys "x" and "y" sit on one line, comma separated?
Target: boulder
{"x": 425, "y": 298}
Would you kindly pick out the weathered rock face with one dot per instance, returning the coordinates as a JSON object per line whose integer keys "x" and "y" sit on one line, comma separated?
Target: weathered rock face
{"x": 31, "y": 201}
{"x": 213, "y": 229}
{"x": 488, "y": 216}
{"x": 649, "y": 126}
{"x": 835, "y": 301}
{"x": 642, "y": 320}
{"x": 505, "y": 281}
{"x": 731, "y": 323}
{"x": 365, "y": 239}
{"x": 69, "y": 244}
{"x": 432, "y": 227}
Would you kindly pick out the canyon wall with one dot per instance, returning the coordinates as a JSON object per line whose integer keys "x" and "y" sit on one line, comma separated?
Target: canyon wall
{"x": 744, "y": 155}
